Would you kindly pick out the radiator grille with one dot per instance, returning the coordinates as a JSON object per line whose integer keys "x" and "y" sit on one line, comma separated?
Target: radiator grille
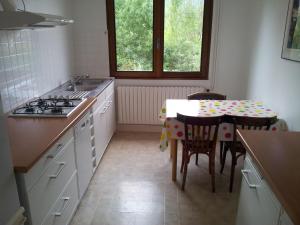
{"x": 141, "y": 105}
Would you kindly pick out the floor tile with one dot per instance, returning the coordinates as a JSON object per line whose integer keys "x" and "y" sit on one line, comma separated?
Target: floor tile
{"x": 132, "y": 186}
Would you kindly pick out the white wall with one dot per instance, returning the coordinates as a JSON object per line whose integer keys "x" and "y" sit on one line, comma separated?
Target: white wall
{"x": 228, "y": 45}
{"x": 238, "y": 19}
{"x": 272, "y": 79}
{"x": 34, "y": 62}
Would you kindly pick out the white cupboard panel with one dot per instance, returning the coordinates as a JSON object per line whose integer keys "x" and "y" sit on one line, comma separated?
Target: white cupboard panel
{"x": 44, "y": 193}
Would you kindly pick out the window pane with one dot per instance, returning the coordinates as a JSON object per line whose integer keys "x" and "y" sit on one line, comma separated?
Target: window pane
{"x": 134, "y": 35}
{"x": 183, "y": 35}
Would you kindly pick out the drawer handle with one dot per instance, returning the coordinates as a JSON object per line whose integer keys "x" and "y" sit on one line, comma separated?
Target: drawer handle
{"x": 244, "y": 173}
{"x": 104, "y": 110}
{"x": 108, "y": 103}
{"x": 61, "y": 167}
{"x": 65, "y": 205}
{"x": 58, "y": 148}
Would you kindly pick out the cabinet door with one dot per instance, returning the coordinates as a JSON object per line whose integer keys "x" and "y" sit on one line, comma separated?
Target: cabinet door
{"x": 110, "y": 117}
{"x": 100, "y": 131}
{"x": 256, "y": 204}
{"x": 285, "y": 220}
{"x": 83, "y": 149}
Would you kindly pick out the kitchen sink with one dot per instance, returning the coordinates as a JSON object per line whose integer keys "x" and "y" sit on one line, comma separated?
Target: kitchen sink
{"x": 76, "y": 87}
{"x": 93, "y": 86}
{"x": 84, "y": 85}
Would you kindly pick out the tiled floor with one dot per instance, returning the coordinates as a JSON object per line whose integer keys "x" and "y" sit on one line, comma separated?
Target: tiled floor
{"x": 132, "y": 186}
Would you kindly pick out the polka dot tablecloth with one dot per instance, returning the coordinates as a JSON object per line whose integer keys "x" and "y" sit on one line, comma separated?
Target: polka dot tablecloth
{"x": 174, "y": 129}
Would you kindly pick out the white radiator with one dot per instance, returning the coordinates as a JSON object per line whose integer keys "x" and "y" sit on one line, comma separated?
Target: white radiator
{"x": 141, "y": 105}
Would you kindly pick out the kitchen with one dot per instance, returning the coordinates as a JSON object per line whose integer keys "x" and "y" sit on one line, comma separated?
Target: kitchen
{"x": 125, "y": 178}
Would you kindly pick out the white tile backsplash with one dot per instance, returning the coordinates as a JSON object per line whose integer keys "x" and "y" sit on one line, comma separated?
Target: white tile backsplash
{"x": 33, "y": 62}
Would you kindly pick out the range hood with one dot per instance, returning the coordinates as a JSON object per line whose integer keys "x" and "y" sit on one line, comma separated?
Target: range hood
{"x": 11, "y": 19}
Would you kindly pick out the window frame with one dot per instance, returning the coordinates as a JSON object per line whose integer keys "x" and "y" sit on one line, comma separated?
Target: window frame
{"x": 158, "y": 46}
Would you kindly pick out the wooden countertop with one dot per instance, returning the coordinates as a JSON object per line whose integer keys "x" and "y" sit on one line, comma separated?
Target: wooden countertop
{"x": 277, "y": 154}
{"x": 30, "y": 138}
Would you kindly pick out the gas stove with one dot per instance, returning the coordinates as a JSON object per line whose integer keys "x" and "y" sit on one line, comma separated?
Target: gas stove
{"x": 52, "y": 106}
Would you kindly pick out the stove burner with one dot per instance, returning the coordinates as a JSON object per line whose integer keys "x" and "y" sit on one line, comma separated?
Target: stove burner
{"x": 48, "y": 107}
{"x": 39, "y": 102}
{"x": 68, "y": 103}
{"x": 57, "y": 110}
{"x": 29, "y": 109}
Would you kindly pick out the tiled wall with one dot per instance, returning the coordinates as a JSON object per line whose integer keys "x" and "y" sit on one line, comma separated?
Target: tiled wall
{"x": 17, "y": 79}
{"x": 32, "y": 63}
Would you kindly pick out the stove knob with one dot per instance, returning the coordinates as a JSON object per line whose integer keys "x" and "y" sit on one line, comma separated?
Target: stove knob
{"x": 49, "y": 96}
{"x": 67, "y": 97}
{"x": 61, "y": 96}
{"x": 55, "y": 96}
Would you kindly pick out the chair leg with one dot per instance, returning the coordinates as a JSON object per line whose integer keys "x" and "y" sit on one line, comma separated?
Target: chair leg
{"x": 185, "y": 168}
{"x": 233, "y": 163}
{"x": 221, "y": 150}
{"x": 223, "y": 159}
{"x": 212, "y": 171}
{"x": 182, "y": 160}
{"x": 196, "y": 162}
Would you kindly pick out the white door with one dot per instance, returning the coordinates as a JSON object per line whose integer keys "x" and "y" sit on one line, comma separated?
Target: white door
{"x": 100, "y": 131}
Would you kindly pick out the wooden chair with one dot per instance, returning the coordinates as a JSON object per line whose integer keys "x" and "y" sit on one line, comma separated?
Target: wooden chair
{"x": 200, "y": 137}
{"x": 208, "y": 96}
{"x": 235, "y": 147}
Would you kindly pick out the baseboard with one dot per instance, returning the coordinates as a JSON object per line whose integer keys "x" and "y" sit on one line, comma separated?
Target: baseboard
{"x": 139, "y": 128}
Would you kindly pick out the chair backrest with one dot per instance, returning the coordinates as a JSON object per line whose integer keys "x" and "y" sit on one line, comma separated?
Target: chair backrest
{"x": 200, "y": 132}
{"x": 206, "y": 96}
{"x": 252, "y": 123}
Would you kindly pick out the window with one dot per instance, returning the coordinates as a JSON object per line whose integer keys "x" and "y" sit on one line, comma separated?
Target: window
{"x": 159, "y": 39}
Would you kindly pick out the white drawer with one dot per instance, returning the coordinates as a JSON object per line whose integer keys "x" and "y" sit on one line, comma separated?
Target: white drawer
{"x": 64, "y": 207}
{"x": 264, "y": 192}
{"x": 251, "y": 173}
{"x": 100, "y": 100}
{"x": 110, "y": 89}
{"x": 46, "y": 190}
{"x": 285, "y": 219}
{"x": 46, "y": 160}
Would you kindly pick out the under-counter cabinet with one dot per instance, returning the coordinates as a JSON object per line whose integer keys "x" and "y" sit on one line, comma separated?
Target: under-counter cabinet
{"x": 270, "y": 186}
{"x": 49, "y": 189}
{"x": 83, "y": 153}
{"x": 257, "y": 204}
{"x": 104, "y": 122}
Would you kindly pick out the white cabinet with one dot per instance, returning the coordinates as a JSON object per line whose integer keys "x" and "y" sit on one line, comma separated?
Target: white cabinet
{"x": 83, "y": 150}
{"x": 110, "y": 115}
{"x": 104, "y": 122}
{"x": 64, "y": 207}
{"x": 40, "y": 188}
{"x": 100, "y": 131}
{"x": 284, "y": 219}
{"x": 257, "y": 203}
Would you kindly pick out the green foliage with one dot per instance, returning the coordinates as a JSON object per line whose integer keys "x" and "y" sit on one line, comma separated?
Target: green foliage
{"x": 182, "y": 35}
{"x": 296, "y": 37}
{"x": 134, "y": 25}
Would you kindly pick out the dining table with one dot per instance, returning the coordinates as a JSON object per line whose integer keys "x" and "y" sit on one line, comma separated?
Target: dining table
{"x": 173, "y": 130}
